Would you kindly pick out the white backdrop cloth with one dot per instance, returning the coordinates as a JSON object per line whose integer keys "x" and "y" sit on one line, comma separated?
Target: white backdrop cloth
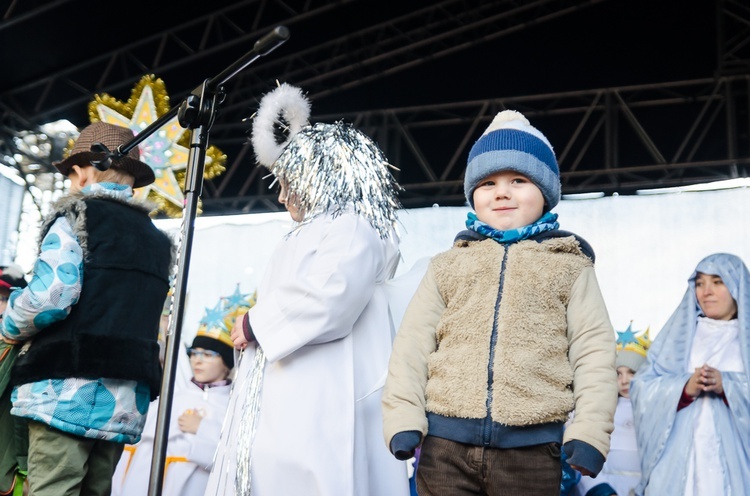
{"x": 646, "y": 247}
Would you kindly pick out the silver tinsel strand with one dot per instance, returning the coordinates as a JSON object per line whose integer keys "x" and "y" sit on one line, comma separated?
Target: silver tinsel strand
{"x": 226, "y": 433}
{"x": 249, "y": 420}
{"x": 329, "y": 168}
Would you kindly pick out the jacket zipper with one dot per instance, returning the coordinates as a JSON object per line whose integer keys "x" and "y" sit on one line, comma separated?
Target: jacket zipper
{"x": 493, "y": 342}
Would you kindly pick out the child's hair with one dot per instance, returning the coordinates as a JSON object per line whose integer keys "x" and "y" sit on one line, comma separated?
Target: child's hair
{"x": 511, "y": 143}
{"x": 113, "y": 175}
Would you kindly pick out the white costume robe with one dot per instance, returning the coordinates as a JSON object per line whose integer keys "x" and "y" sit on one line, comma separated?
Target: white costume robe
{"x": 622, "y": 470}
{"x": 680, "y": 452}
{"x": 189, "y": 456}
{"x": 322, "y": 319}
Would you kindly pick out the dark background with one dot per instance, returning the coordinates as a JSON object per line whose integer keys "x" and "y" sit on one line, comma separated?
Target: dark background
{"x": 57, "y": 54}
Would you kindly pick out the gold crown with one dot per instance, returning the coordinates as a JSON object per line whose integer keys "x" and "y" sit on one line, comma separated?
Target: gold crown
{"x": 630, "y": 340}
{"x": 218, "y": 321}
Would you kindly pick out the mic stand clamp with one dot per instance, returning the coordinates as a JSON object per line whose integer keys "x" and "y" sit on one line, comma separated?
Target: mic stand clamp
{"x": 106, "y": 162}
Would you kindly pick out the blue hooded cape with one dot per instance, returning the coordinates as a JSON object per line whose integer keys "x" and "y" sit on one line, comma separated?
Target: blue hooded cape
{"x": 665, "y": 436}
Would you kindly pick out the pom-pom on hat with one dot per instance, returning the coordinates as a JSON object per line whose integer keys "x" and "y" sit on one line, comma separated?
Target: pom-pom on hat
{"x": 632, "y": 348}
{"x": 511, "y": 143}
{"x": 214, "y": 331}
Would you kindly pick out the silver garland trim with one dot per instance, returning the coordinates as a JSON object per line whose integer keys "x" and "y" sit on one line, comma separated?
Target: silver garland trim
{"x": 329, "y": 168}
{"x": 249, "y": 420}
{"x": 226, "y": 433}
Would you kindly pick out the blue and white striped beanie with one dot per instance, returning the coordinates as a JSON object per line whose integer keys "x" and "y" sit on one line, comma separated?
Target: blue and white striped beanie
{"x": 511, "y": 143}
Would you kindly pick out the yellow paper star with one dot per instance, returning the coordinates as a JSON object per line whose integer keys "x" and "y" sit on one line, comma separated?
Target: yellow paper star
{"x": 165, "y": 150}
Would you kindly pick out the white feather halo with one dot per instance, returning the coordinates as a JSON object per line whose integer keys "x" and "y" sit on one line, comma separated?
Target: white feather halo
{"x": 286, "y": 102}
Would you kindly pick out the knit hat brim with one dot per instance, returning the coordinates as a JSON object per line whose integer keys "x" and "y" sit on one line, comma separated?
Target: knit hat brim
{"x": 226, "y": 352}
{"x": 511, "y": 143}
{"x": 492, "y": 162}
{"x": 629, "y": 359}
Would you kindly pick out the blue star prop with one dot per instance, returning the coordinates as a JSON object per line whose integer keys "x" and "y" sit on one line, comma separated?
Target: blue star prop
{"x": 626, "y": 337}
{"x": 236, "y": 299}
{"x": 214, "y": 316}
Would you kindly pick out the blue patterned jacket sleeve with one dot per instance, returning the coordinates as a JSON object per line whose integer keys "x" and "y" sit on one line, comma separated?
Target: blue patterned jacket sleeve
{"x": 54, "y": 288}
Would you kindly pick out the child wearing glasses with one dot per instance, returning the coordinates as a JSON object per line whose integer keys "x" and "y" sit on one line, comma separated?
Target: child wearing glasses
{"x": 197, "y": 413}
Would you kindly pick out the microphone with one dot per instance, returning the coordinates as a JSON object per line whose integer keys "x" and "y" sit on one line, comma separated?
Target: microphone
{"x": 269, "y": 42}
{"x": 263, "y": 46}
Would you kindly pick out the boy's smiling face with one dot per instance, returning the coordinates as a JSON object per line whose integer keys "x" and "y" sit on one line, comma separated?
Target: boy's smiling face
{"x": 508, "y": 200}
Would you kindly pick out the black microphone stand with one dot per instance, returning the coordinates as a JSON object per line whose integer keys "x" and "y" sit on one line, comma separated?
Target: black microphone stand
{"x": 197, "y": 113}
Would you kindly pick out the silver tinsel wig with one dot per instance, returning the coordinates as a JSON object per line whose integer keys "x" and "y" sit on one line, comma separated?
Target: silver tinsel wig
{"x": 326, "y": 168}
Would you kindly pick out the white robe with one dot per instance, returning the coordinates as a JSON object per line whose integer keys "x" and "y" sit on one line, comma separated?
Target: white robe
{"x": 322, "y": 319}
{"x": 189, "y": 456}
{"x": 717, "y": 344}
{"x": 675, "y": 445}
{"x": 622, "y": 470}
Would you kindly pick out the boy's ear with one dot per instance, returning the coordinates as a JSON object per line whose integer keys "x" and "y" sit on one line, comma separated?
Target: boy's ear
{"x": 82, "y": 175}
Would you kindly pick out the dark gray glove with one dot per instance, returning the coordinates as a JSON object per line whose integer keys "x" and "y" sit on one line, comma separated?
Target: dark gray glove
{"x": 404, "y": 444}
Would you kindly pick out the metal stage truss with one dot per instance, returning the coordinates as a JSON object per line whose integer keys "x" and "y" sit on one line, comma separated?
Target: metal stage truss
{"x": 613, "y": 139}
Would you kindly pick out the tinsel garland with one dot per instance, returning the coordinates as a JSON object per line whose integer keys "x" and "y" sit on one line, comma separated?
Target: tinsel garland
{"x": 330, "y": 168}
{"x": 249, "y": 416}
{"x": 325, "y": 169}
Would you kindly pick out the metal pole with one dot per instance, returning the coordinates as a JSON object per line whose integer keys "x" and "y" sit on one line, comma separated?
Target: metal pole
{"x": 197, "y": 112}
{"x": 193, "y": 186}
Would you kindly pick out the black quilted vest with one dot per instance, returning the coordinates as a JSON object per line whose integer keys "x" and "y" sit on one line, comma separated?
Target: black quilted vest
{"x": 112, "y": 331}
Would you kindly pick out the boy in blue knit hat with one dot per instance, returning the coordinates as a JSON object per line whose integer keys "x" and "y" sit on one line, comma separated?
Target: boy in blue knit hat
{"x": 505, "y": 336}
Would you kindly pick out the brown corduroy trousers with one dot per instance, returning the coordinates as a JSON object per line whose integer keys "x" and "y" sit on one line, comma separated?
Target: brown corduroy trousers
{"x": 448, "y": 468}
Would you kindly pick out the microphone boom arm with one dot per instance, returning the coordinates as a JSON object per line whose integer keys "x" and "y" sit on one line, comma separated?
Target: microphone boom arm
{"x": 197, "y": 113}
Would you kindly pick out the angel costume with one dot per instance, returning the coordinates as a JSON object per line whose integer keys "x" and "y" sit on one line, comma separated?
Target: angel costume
{"x": 704, "y": 448}
{"x": 304, "y": 416}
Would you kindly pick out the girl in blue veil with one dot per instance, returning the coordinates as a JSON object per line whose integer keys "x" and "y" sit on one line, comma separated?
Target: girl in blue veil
{"x": 691, "y": 399}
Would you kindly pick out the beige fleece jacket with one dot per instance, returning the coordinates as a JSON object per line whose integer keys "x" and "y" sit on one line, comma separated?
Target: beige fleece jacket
{"x": 555, "y": 348}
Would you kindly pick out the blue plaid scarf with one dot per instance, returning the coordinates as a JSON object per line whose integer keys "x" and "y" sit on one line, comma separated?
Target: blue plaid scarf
{"x": 546, "y": 222}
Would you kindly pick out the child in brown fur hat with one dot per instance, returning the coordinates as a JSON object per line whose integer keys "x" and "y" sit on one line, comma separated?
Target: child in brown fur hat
{"x": 88, "y": 321}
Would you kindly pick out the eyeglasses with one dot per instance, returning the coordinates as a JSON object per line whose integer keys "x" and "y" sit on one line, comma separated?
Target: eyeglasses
{"x": 203, "y": 354}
